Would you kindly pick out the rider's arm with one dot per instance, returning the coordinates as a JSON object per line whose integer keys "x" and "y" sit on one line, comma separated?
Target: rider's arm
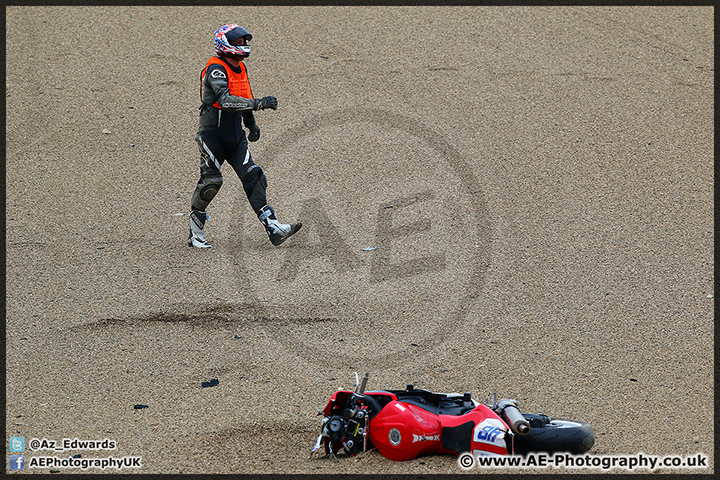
{"x": 248, "y": 119}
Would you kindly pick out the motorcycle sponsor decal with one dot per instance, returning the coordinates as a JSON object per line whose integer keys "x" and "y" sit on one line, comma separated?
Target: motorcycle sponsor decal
{"x": 425, "y": 438}
{"x": 490, "y": 431}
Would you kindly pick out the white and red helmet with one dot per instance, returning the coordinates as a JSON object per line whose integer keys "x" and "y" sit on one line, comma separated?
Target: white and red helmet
{"x": 225, "y": 35}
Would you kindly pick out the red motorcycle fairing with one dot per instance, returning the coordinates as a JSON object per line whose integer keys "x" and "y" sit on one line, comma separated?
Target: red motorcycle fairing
{"x": 404, "y": 424}
{"x": 403, "y": 431}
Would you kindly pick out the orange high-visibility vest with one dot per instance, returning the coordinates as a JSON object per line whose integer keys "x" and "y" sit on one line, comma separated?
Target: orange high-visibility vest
{"x": 238, "y": 83}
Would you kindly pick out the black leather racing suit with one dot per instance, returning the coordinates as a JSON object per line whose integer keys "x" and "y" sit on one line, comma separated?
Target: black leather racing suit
{"x": 221, "y": 138}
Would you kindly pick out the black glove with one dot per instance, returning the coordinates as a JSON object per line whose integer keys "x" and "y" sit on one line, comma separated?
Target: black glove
{"x": 254, "y": 134}
{"x": 266, "y": 102}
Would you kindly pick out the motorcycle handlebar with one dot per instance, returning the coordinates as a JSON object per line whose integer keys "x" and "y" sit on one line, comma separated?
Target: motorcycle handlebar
{"x": 511, "y": 414}
{"x": 374, "y": 405}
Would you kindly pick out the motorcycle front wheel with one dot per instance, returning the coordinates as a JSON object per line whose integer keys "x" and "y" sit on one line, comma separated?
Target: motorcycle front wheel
{"x": 554, "y": 435}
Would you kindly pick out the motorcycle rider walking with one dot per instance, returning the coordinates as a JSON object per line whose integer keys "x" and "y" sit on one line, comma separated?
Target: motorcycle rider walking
{"x": 227, "y": 104}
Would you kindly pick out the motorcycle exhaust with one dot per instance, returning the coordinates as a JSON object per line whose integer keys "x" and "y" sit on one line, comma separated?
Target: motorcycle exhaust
{"x": 512, "y": 416}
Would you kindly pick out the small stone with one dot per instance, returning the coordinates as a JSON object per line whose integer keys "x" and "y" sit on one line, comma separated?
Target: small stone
{"x": 211, "y": 383}
{"x": 106, "y": 131}
{"x": 139, "y": 406}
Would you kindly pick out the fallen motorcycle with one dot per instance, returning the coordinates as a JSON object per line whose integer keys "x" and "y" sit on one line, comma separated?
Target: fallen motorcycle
{"x": 405, "y": 424}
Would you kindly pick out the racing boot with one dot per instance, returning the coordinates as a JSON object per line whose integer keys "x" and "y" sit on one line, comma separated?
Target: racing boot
{"x": 278, "y": 232}
{"x": 197, "y": 229}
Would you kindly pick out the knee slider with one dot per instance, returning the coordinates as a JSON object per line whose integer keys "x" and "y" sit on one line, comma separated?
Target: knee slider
{"x": 211, "y": 188}
{"x": 253, "y": 179}
{"x": 253, "y": 176}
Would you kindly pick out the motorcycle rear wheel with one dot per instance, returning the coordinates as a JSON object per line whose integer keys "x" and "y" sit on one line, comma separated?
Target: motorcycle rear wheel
{"x": 554, "y": 435}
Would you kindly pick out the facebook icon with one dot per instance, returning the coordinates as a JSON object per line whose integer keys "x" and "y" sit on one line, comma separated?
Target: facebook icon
{"x": 17, "y": 462}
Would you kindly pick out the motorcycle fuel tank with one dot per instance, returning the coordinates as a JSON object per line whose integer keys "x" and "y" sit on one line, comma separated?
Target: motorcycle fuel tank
{"x": 403, "y": 431}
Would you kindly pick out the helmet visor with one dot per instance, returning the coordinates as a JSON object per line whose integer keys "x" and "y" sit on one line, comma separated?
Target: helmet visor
{"x": 236, "y": 34}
